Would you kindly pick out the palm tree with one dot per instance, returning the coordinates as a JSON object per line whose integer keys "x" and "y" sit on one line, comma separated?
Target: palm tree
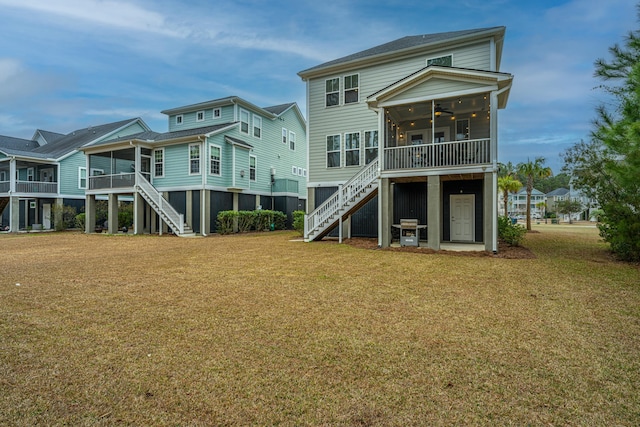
{"x": 507, "y": 184}
{"x": 506, "y": 169}
{"x": 532, "y": 170}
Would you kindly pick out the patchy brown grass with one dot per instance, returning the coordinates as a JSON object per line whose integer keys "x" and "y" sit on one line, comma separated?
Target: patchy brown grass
{"x": 257, "y": 329}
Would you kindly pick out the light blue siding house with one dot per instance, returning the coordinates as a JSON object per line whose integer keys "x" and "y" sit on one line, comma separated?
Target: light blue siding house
{"x": 49, "y": 170}
{"x": 408, "y": 130}
{"x": 224, "y": 154}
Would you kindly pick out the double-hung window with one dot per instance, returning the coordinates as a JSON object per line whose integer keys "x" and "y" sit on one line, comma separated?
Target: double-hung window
{"x": 158, "y": 163}
{"x": 333, "y": 151}
{"x": 370, "y": 146}
{"x": 215, "y": 157}
{"x": 351, "y": 89}
{"x": 179, "y": 119}
{"x": 352, "y": 149}
{"x": 216, "y": 113}
{"x": 194, "y": 159}
{"x": 332, "y": 92}
{"x": 82, "y": 178}
{"x": 292, "y": 141}
{"x": 257, "y": 126}
{"x": 284, "y": 136}
{"x": 200, "y": 116}
{"x": 30, "y": 174}
{"x": 252, "y": 167}
{"x": 244, "y": 121}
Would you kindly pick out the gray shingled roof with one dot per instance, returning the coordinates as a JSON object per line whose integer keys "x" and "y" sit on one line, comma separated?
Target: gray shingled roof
{"x": 403, "y": 43}
{"x": 78, "y": 138}
{"x": 558, "y": 192}
{"x": 279, "y": 109}
{"x": 50, "y": 136}
{"x": 11, "y": 143}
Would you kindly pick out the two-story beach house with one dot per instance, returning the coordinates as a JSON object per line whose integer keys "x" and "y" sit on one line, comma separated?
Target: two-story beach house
{"x": 47, "y": 170}
{"x": 408, "y": 130}
{"x": 224, "y": 154}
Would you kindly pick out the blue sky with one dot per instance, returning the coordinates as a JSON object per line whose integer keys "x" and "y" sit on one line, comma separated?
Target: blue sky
{"x": 68, "y": 64}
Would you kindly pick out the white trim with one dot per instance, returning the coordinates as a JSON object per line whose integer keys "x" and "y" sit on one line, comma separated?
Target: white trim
{"x": 154, "y": 162}
{"x": 292, "y": 140}
{"x": 344, "y": 89}
{"x": 179, "y": 119}
{"x": 219, "y": 160}
{"x": 198, "y": 118}
{"x": 359, "y": 149}
{"x": 255, "y": 168}
{"x": 259, "y": 120}
{"x": 196, "y": 144}
{"x": 285, "y": 136}
{"x": 31, "y": 172}
{"x": 86, "y": 177}
{"x": 332, "y": 92}
{"x": 439, "y": 96}
{"x": 326, "y": 152}
{"x": 213, "y": 113}
{"x": 242, "y": 110}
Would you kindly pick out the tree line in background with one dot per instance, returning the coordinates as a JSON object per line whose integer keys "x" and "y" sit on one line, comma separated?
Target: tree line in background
{"x": 607, "y": 167}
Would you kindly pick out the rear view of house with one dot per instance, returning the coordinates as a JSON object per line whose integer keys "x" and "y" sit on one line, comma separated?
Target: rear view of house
{"x": 408, "y": 130}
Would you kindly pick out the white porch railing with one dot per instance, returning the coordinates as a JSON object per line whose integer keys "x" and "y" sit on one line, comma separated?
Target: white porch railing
{"x": 440, "y": 154}
{"x": 347, "y": 196}
{"x": 36, "y": 187}
{"x": 160, "y": 204}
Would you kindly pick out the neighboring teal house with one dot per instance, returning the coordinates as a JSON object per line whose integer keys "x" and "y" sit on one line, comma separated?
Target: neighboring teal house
{"x": 49, "y": 170}
{"x": 224, "y": 154}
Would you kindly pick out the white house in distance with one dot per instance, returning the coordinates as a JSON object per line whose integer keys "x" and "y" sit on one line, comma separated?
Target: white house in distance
{"x": 408, "y": 130}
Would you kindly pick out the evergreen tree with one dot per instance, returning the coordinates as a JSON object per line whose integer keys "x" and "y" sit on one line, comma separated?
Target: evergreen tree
{"x": 607, "y": 168}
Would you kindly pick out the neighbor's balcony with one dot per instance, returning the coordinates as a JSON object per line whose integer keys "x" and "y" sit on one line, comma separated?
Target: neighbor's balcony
{"x": 475, "y": 152}
{"x": 34, "y": 187}
{"x": 5, "y": 186}
{"x": 118, "y": 180}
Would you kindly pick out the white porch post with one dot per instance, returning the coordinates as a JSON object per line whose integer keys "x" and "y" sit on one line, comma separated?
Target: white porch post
{"x": 494, "y": 150}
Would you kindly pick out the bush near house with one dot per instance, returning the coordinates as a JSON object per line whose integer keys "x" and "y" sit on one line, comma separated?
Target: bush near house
{"x": 63, "y": 217}
{"x": 259, "y": 220}
{"x": 512, "y": 234}
{"x": 298, "y": 221}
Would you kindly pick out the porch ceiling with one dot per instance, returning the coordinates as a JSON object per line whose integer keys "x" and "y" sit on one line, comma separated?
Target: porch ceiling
{"x": 478, "y": 104}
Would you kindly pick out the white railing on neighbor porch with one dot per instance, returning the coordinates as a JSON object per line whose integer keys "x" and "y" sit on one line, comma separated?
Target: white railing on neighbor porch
{"x": 36, "y": 187}
{"x": 440, "y": 154}
{"x": 5, "y": 186}
{"x": 160, "y": 204}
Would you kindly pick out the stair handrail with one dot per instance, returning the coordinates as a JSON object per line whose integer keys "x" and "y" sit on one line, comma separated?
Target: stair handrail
{"x": 176, "y": 219}
{"x": 344, "y": 194}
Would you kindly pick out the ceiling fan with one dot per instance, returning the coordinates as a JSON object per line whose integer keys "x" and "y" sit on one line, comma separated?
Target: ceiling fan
{"x": 439, "y": 110}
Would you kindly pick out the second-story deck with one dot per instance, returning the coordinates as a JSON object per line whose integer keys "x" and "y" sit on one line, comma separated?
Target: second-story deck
{"x": 475, "y": 152}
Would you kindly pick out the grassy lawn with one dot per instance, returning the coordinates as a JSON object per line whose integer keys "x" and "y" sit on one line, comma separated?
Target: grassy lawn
{"x": 260, "y": 330}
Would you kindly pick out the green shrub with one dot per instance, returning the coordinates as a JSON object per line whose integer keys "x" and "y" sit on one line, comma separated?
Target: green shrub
{"x": 279, "y": 220}
{"x": 125, "y": 215}
{"x": 512, "y": 234}
{"x": 298, "y": 221}
{"x": 246, "y": 220}
{"x": 225, "y": 221}
{"x": 80, "y": 221}
{"x": 264, "y": 219}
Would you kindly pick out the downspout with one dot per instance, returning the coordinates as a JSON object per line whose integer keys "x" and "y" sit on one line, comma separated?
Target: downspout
{"x": 204, "y": 184}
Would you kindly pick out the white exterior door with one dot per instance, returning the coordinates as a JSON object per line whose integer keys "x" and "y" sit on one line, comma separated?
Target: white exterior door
{"x": 462, "y": 217}
{"x": 46, "y": 216}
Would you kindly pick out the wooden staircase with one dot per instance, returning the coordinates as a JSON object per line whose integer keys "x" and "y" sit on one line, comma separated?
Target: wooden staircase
{"x": 4, "y": 201}
{"x": 162, "y": 207}
{"x": 350, "y": 197}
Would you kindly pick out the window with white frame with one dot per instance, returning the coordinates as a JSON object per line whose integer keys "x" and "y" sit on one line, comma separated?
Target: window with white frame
{"x": 215, "y": 158}
{"x": 30, "y": 174}
{"x": 244, "y": 121}
{"x": 332, "y": 92}
{"x": 158, "y": 162}
{"x": 370, "y": 146}
{"x": 294, "y": 170}
{"x": 200, "y": 116}
{"x": 299, "y": 171}
{"x": 252, "y": 167}
{"x": 82, "y": 178}
{"x": 194, "y": 159}
{"x": 352, "y": 149}
{"x": 304, "y": 173}
{"x": 351, "y": 89}
{"x": 333, "y": 151}
{"x": 3, "y": 176}
{"x": 284, "y": 135}
{"x": 179, "y": 119}
{"x": 216, "y": 113}
{"x": 443, "y": 61}
{"x": 292, "y": 141}
{"x": 257, "y": 126}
